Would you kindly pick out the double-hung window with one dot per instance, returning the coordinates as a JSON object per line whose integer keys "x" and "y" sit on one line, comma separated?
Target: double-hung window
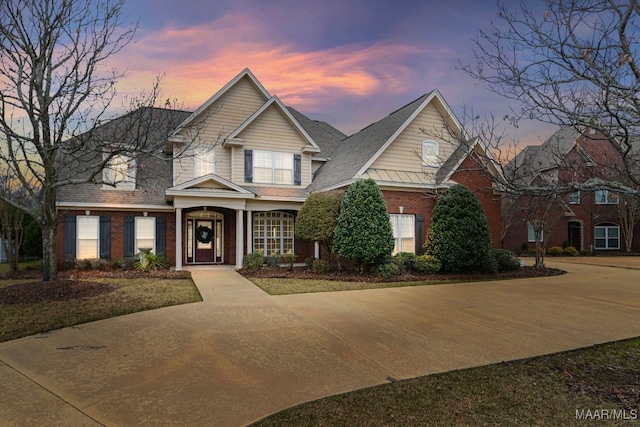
{"x": 531, "y": 233}
{"x": 404, "y": 227}
{"x": 272, "y": 167}
{"x": 574, "y": 198}
{"x": 88, "y": 231}
{"x": 606, "y": 197}
{"x": 145, "y": 233}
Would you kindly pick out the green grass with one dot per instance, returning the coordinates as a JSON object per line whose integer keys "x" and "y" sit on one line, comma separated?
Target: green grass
{"x": 282, "y": 286}
{"x": 543, "y": 391}
{"x": 28, "y": 265}
{"x": 130, "y": 296}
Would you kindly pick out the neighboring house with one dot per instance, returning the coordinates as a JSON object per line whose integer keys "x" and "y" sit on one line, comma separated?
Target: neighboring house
{"x": 234, "y": 174}
{"x": 583, "y": 219}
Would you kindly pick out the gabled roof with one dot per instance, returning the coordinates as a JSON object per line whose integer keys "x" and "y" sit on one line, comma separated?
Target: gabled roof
{"x": 244, "y": 73}
{"x": 275, "y": 101}
{"x": 536, "y": 159}
{"x": 326, "y": 136}
{"x": 355, "y": 154}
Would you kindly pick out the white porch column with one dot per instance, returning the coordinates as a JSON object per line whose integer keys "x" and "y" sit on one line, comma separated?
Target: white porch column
{"x": 249, "y": 232}
{"x": 316, "y": 249}
{"x": 239, "y": 237}
{"x": 178, "y": 239}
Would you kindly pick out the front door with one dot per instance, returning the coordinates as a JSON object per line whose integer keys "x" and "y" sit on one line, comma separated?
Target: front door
{"x": 575, "y": 234}
{"x": 204, "y": 240}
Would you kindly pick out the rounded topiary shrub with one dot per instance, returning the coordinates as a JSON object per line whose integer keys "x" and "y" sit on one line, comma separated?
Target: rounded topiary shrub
{"x": 505, "y": 260}
{"x": 570, "y": 251}
{"x": 253, "y": 261}
{"x": 389, "y": 269}
{"x": 405, "y": 260}
{"x": 459, "y": 234}
{"x": 554, "y": 251}
{"x": 426, "y": 264}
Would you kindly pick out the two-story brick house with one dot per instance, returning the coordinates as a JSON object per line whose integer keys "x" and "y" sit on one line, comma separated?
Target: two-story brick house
{"x": 234, "y": 173}
{"x": 583, "y": 219}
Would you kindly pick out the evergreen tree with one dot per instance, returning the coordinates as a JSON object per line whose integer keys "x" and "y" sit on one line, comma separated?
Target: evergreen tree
{"x": 459, "y": 234}
{"x": 318, "y": 218}
{"x": 364, "y": 231}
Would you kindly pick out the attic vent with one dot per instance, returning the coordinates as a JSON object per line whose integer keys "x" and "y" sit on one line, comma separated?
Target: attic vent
{"x": 592, "y": 131}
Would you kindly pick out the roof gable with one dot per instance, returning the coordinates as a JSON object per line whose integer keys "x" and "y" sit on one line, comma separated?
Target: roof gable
{"x": 209, "y": 185}
{"x": 245, "y": 74}
{"x": 357, "y": 153}
{"x": 275, "y": 102}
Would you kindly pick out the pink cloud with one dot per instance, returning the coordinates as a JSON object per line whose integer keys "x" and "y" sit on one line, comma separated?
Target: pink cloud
{"x": 199, "y": 60}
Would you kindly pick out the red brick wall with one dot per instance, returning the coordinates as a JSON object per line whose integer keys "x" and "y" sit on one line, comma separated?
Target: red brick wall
{"x": 117, "y": 231}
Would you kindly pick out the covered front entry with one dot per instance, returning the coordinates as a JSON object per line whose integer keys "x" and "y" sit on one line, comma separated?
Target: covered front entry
{"x": 205, "y": 237}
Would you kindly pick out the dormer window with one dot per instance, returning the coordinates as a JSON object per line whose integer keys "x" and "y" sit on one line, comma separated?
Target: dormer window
{"x": 120, "y": 173}
{"x": 430, "y": 153}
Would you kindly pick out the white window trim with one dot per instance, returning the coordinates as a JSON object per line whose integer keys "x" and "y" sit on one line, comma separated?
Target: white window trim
{"x": 606, "y": 237}
{"x": 97, "y": 221}
{"x": 610, "y": 198}
{"x": 574, "y": 198}
{"x": 272, "y": 155}
{"x": 136, "y": 228}
{"x": 396, "y": 222}
{"x": 198, "y": 157}
{"x": 282, "y": 217}
{"x": 107, "y": 175}
{"x": 431, "y": 159}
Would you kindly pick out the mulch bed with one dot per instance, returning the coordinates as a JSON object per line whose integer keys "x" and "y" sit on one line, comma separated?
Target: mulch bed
{"x": 71, "y": 284}
{"x": 346, "y": 276}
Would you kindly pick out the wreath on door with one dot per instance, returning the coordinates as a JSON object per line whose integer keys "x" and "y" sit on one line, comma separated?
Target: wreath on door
{"x": 204, "y": 234}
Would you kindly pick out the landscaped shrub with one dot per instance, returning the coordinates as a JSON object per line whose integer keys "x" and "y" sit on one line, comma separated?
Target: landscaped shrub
{"x": 318, "y": 217}
{"x": 149, "y": 261}
{"x": 389, "y": 269}
{"x": 459, "y": 234}
{"x": 253, "y": 261}
{"x": 554, "y": 251}
{"x": 505, "y": 260}
{"x": 585, "y": 252}
{"x": 273, "y": 260}
{"x": 405, "y": 260}
{"x": 320, "y": 266}
{"x": 570, "y": 251}
{"x": 426, "y": 264}
{"x": 364, "y": 232}
{"x": 288, "y": 258}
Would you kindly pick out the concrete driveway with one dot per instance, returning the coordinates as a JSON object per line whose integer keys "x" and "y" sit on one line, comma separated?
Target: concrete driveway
{"x": 242, "y": 354}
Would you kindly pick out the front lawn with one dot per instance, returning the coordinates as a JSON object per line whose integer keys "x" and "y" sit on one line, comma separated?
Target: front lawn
{"x": 29, "y": 306}
{"x": 599, "y": 385}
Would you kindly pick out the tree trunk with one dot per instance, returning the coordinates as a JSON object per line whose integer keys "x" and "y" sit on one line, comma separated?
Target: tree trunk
{"x": 49, "y": 259}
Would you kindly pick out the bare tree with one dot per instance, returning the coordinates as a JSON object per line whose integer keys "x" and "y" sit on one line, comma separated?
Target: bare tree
{"x": 11, "y": 229}
{"x": 629, "y": 212}
{"x": 55, "y": 89}
{"x": 571, "y": 63}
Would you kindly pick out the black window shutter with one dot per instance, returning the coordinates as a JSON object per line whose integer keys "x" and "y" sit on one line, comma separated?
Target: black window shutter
{"x": 160, "y": 236}
{"x": 419, "y": 234}
{"x": 129, "y": 235}
{"x": 297, "y": 169}
{"x": 248, "y": 165}
{"x": 105, "y": 237}
{"x": 69, "y": 236}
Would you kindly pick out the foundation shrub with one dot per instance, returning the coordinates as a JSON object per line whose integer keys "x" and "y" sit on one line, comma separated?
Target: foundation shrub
{"x": 505, "y": 260}
{"x": 389, "y": 269}
{"x": 253, "y": 261}
{"x": 320, "y": 266}
{"x": 426, "y": 264}
{"x": 570, "y": 251}
{"x": 405, "y": 261}
{"x": 554, "y": 251}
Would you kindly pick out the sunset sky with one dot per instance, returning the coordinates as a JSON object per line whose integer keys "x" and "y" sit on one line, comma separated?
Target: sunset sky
{"x": 347, "y": 62}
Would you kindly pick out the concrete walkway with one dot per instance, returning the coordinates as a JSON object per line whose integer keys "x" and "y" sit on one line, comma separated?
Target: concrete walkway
{"x": 242, "y": 354}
